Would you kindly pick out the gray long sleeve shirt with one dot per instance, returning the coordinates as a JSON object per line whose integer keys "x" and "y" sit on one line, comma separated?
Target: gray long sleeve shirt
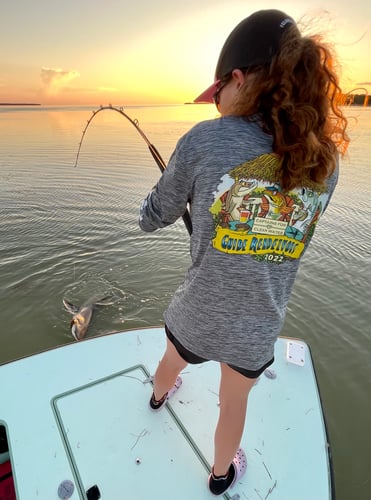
{"x": 247, "y": 241}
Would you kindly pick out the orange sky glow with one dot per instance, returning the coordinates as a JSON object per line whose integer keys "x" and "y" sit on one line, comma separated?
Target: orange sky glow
{"x": 120, "y": 52}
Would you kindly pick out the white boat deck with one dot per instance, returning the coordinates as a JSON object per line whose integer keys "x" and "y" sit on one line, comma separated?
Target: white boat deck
{"x": 79, "y": 413}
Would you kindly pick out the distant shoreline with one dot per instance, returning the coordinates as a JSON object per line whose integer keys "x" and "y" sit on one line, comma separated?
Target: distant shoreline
{"x": 19, "y": 104}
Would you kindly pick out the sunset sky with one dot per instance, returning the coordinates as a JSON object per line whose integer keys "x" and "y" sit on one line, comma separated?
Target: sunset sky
{"x": 149, "y": 52}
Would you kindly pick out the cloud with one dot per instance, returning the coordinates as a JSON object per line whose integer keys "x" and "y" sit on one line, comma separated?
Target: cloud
{"x": 56, "y": 79}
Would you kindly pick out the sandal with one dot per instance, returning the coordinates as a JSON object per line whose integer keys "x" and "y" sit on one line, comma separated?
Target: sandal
{"x": 155, "y": 405}
{"x": 240, "y": 465}
{"x": 219, "y": 485}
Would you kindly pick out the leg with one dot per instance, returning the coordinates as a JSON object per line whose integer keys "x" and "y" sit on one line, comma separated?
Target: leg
{"x": 233, "y": 395}
{"x": 169, "y": 368}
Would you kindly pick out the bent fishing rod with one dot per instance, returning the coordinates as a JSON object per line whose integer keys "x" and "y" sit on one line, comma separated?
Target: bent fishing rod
{"x": 154, "y": 152}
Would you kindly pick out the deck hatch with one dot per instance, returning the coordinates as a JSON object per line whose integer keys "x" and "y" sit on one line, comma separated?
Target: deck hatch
{"x": 108, "y": 422}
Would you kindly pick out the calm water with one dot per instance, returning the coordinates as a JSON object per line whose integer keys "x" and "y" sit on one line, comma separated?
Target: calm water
{"x": 72, "y": 232}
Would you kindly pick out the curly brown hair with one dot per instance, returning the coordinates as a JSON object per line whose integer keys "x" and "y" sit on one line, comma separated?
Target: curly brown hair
{"x": 297, "y": 98}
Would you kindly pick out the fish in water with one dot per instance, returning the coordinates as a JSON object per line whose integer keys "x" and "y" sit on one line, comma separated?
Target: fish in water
{"x": 82, "y": 316}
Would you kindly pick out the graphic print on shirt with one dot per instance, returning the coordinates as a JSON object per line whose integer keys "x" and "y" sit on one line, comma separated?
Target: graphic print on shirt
{"x": 252, "y": 215}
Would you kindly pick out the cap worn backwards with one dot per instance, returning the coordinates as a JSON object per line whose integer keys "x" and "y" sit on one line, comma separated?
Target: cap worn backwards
{"x": 254, "y": 41}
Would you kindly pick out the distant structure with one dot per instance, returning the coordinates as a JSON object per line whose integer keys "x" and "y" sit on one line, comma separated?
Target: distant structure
{"x": 351, "y": 99}
{"x": 19, "y": 104}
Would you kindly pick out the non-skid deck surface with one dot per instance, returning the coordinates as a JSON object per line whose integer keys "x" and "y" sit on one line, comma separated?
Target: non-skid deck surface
{"x": 80, "y": 413}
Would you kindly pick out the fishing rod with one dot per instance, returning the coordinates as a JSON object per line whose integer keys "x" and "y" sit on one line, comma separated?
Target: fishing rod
{"x": 153, "y": 150}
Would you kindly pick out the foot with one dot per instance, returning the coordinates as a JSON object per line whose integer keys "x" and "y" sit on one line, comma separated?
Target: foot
{"x": 156, "y": 405}
{"x": 219, "y": 484}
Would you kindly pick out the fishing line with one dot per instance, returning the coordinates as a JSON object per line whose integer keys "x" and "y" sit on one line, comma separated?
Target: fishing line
{"x": 153, "y": 150}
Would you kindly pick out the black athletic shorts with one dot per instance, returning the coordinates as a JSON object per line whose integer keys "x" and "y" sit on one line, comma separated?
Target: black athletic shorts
{"x": 193, "y": 359}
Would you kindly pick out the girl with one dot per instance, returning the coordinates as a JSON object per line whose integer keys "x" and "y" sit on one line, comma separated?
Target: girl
{"x": 257, "y": 180}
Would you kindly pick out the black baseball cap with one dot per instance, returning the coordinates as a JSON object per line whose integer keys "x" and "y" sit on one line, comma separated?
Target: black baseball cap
{"x": 254, "y": 41}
